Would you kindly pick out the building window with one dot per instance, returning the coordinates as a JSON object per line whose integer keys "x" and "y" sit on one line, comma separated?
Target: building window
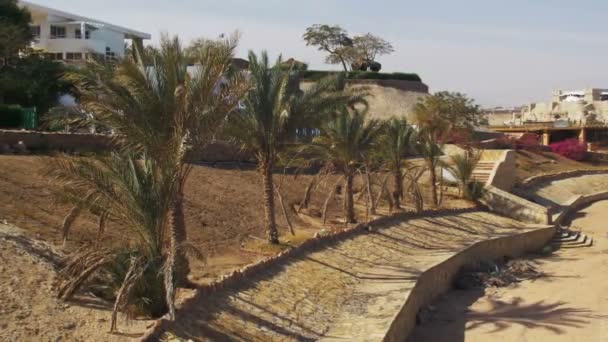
{"x": 110, "y": 55}
{"x": 57, "y": 32}
{"x": 54, "y": 56}
{"x": 78, "y": 34}
{"x": 73, "y": 56}
{"x": 35, "y": 30}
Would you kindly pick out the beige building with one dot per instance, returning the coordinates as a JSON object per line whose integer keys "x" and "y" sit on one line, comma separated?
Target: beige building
{"x": 580, "y": 106}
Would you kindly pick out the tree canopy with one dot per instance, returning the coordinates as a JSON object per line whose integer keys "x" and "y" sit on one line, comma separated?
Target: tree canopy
{"x": 15, "y": 32}
{"x": 358, "y": 52}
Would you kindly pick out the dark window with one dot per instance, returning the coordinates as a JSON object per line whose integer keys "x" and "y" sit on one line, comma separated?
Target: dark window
{"x": 35, "y": 31}
{"x": 78, "y": 34}
{"x": 73, "y": 56}
{"x": 54, "y": 56}
{"x": 57, "y": 32}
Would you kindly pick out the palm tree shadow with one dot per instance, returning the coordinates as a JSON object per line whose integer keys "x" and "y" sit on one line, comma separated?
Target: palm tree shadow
{"x": 553, "y": 317}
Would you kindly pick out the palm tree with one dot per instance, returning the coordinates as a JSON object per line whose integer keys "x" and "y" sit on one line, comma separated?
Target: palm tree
{"x": 164, "y": 110}
{"x": 137, "y": 194}
{"x": 462, "y": 167}
{"x": 344, "y": 143}
{"x": 396, "y": 141}
{"x": 273, "y": 110}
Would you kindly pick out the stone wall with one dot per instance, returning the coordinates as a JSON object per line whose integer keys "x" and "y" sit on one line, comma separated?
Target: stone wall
{"x": 503, "y": 175}
{"x": 438, "y": 279}
{"x": 578, "y": 202}
{"x": 56, "y": 140}
{"x": 389, "y": 97}
{"x": 85, "y": 142}
{"x": 546, "y": 177}
{"x": 515, "y": 207}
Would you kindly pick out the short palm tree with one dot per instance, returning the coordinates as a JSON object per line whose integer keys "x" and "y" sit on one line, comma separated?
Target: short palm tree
{"x": 273, "y": 110}
{"x": 462, "y": 167}
{"x": 165, "y": 109}
{"x": 344, "y": 142}
{"x": 395, "y": 142}
{"x": 137, "y": 194}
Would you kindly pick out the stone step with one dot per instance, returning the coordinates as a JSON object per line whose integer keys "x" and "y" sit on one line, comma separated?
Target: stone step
{"x": 581, "y": 240}
{"x": 566, "y": 236}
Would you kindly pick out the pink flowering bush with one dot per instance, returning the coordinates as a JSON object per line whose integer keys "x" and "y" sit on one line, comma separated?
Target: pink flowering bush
{"x": 570, "y": 148}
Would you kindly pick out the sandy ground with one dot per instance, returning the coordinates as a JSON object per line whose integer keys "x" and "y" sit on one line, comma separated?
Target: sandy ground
{"x": 223, "y": 212}
{"x": 569, "y": 304}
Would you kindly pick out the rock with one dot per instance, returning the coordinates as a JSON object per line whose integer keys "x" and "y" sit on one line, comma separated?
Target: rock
{"x": 69, "y": 326}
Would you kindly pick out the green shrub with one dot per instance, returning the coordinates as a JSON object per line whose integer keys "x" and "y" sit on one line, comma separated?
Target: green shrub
{"x": 11, "y": 116}
{"x": 314, "y": 75}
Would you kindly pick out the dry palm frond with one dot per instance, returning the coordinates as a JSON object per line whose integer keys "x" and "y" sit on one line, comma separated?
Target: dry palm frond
{"x": 134, "y": 274}
{"x": 282, "y": 203}
{"x": 329, "y": 197}
{"x": 79, "y": 268}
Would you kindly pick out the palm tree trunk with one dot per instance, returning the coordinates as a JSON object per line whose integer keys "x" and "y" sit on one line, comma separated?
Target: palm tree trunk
{"x": 433, "y": 181}
{"x": 348, "y": 199}
{"x": 180, "y": 236}
{"x": 398, "y": 188}
{"x": 269, "y": 212}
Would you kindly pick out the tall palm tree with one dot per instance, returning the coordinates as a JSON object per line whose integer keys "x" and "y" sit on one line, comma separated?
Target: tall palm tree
{"x": 273, "y": 110}
{"x": 433, "y": 130}
{"x": 395, "y": 142}
{"x": 155, "y": 104}
{"x": 344, "y": 143}
{"x": 431, "y": 152}
{"x": 136, "y": 193}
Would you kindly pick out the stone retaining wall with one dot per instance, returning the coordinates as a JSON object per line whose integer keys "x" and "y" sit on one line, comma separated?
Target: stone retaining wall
{"x": 577, "y": 202}
{"x": 86, "y": 142}
{"x": 515, "y": 207}
{"x": 503, "y": 175}
{"x": 438, "y": 279}
{"x": 534, "y": 180}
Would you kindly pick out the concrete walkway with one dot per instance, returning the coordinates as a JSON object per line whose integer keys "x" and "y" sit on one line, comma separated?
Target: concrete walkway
{"x": 569, "y": 304}
{"x": 557, "y": 193}
{"x": 348, "y": 291}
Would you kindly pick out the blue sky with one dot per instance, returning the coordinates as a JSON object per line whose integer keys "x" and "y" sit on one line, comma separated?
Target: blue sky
{"x": 498, "y": 52}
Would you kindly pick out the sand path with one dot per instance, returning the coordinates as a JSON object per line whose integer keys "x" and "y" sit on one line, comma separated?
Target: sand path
{"x": 569, "y": 304}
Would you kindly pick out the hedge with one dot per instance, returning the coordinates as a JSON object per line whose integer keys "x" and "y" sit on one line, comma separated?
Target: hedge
{"x": 314, "y": 75}
{"x": 11, "y": 116}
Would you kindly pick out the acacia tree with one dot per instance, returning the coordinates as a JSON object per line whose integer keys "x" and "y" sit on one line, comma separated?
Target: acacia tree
{"x": 396, "y": 141}
{"x": 273, "y": 110}
{"x": 344, "y": 143}
{"x": 331, "y": 39}
{"x": 366, "y": 48}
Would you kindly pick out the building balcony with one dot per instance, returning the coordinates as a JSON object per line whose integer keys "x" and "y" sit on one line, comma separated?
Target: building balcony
{"x": 70, "y": 45}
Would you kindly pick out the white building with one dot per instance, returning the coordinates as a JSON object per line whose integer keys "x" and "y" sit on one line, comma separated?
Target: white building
{"x": 71, "y": 37}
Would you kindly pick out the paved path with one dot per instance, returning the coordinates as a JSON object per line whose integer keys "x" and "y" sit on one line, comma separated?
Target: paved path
{"x": 569, "y": 304}
{"x": 349, "y": 291}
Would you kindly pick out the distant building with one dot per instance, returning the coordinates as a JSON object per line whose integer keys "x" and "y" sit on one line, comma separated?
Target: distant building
{"x": 581, "y": 106}
{"x": 498, "y": 116}
{"x": 71, "y": 37}
{"x": 580, "y": 114}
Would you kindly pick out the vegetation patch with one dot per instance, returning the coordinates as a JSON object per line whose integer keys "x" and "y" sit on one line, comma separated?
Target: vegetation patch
{"x": 314, "y": 75}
